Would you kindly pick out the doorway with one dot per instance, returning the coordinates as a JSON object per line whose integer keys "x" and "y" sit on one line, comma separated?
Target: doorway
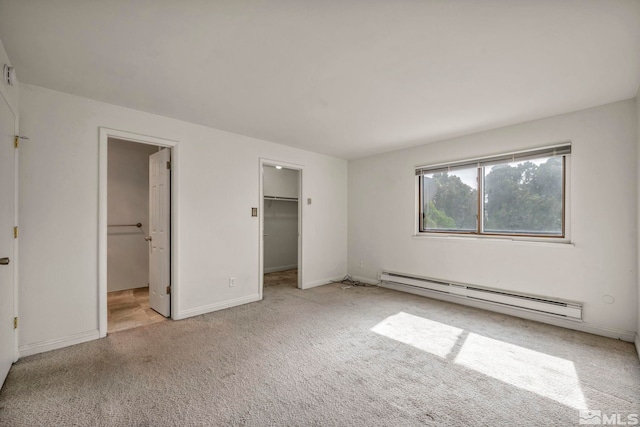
{"x": 136, "y": 283}
{"x": 128, "y": 234}
{"x": 281, "y": 230}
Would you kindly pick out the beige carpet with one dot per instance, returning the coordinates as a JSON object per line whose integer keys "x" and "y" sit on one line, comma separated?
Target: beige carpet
{"x": 328, "y": 357}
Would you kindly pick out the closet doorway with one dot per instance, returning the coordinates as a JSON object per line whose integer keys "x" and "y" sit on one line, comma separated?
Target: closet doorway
{"x": 281, "y": 221}
{"x": 135, "y": 238}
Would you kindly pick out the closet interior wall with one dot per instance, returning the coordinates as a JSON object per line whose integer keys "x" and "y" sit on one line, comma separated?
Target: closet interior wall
{"x": 280, "y": 219}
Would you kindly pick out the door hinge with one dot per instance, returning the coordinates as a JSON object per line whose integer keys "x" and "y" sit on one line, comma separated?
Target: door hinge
{"x": 15, "y": 232}
{"x": 168, "y": 165}
{"x": 16, "y": 140}
{"x": 15, "y": 323}
{"x": 168, "y": 290}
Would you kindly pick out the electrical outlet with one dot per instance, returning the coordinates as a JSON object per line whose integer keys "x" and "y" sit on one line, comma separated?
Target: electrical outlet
{"x": 361, "y": 264}
{"x": 232, "y": 282}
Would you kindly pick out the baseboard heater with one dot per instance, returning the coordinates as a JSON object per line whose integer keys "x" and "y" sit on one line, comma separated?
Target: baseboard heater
{"x": 541, "y": 305}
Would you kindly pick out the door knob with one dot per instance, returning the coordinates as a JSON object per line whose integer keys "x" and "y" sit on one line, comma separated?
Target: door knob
{"x": 147, "y": 238}
{"x": 4, "y": 261}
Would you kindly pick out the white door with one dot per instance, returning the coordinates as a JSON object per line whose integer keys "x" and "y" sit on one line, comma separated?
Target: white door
{"x": 7, "y": 261}
{"x": 159, "y": 238}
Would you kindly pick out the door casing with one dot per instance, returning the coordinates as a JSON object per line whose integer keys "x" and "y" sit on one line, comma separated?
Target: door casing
{"x": 105, "y": 134}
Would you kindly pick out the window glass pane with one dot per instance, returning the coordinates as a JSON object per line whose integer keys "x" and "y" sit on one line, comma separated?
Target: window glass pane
{"x": 524, "y": 197}
{"x": 450, "y": 200}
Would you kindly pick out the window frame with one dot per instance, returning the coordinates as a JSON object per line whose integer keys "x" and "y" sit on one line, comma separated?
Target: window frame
{"x": 481, "y": 163}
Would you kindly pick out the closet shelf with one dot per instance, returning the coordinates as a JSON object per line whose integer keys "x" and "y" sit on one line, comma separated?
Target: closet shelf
{"x": 284, "y": 199}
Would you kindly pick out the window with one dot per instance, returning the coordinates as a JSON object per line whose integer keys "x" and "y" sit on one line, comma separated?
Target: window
{"x": 515, "y": 194}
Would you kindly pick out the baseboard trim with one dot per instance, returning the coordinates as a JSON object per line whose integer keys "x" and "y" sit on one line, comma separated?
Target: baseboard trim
{"x": 56, "y": 343}
{"x": 322, "y": 282}
{"x": 569, "y": 324}
{"x": 637, "y": 343}
{"x": 127, "y": 288}
{"x": 281, "y": 268}
{"x": 217, "y": 306}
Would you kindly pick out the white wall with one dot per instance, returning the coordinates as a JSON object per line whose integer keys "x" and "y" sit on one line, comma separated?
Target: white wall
{"x": 280, "y": 219}
{"x": 10, "y": 92}
{"x": 128, "y": 203}
{"x": 603, "y": 218}
{"x": 218, "y": 182}
{"x": 280, "y": 182}
{"x": 638, "y": 230}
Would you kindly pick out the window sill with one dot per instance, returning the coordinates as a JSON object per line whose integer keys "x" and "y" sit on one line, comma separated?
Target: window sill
{"x": 528, "y": 241}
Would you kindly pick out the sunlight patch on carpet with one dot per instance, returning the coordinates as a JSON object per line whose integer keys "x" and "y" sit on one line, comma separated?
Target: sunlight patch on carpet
{"x": 548, "y": 376}
{"x": 545, "y": 375}
{"x": 424, "y": 334}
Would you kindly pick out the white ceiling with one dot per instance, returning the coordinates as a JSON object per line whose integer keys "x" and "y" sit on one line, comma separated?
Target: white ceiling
{"x": 347, "y": 78}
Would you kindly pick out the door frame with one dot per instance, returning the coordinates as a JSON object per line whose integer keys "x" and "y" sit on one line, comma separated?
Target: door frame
{"x": 300, "y": 169}
{"x": 16, "y": 162}
{"x": 105, "y": 134}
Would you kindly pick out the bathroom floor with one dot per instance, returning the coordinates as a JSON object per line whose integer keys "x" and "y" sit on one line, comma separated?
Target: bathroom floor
{"x": 129, "y": 309}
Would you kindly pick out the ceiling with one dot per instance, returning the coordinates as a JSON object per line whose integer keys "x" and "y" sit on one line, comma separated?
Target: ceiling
{"x": 348, "y": 78}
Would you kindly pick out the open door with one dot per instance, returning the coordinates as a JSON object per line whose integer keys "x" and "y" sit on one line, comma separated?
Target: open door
{"x": 159, "y": 237}
{"x": 7, "y": 217}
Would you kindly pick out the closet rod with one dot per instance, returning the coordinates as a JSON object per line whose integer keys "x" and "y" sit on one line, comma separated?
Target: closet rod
{"x": 139, "y": 225}
{"x": 288, "y": 199}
